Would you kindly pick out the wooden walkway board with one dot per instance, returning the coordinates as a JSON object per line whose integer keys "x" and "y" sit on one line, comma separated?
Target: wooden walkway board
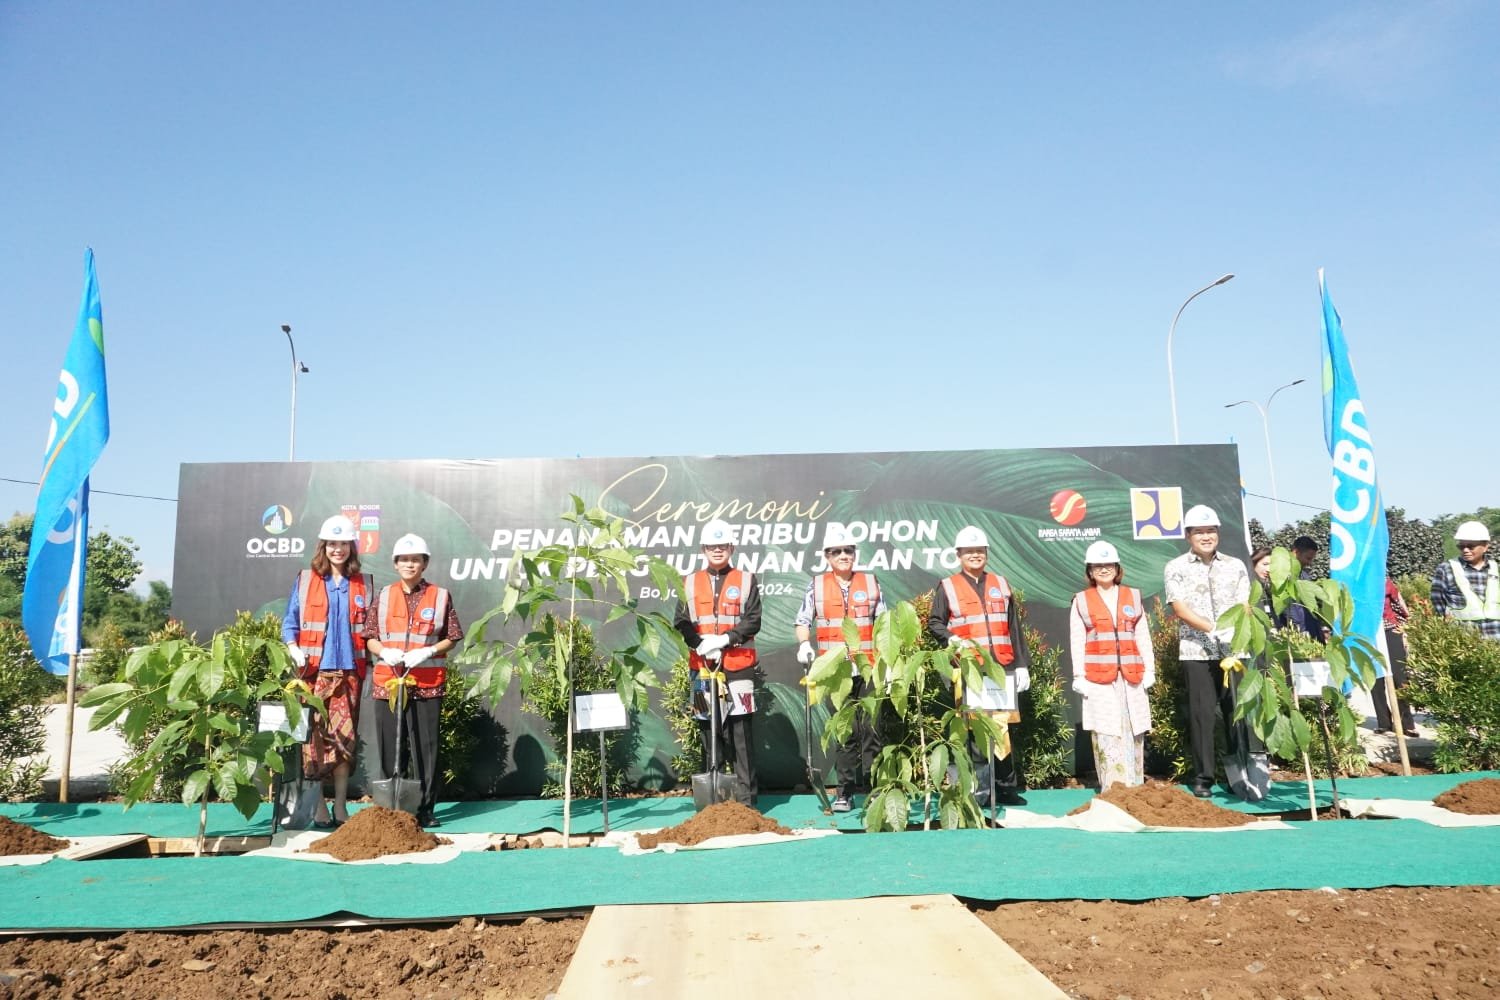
{"x": 889, "y": 946}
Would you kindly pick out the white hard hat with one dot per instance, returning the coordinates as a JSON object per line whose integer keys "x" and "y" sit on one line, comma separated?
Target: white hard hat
{"x": 1200, "y": 516}
{"x": 970, "y": 537}
{"x": 1100, "y": 553}
{"x": 1472, "y": 531}
{"x": 835, "y": 536}
{"x": 338, "y": 528}
{"x": 716, "y": 532}
{"x": 410, "y": 545}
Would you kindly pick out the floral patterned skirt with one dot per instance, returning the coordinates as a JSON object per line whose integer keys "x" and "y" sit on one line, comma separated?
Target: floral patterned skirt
{"x": 332, "y": 738}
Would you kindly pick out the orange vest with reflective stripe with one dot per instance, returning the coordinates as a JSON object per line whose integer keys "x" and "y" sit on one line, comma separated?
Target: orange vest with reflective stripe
{"x": 698, "y": 597}
{"x": 830, "y": 610}
{"x": 1109, "y": 647}
{"x": 312, "y": 618}
{"x": 985, "y": 622}
{"x": 426, "y": 630}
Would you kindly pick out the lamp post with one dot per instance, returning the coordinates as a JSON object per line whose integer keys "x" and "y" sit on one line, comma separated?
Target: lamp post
{"x": 1265, "y": 423}
{"x": 1171, "y": 380}
{"x": 297, "y": 368}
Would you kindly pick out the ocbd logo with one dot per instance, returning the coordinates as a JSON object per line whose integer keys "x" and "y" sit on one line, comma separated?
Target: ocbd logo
{"x": 276, "y": 519}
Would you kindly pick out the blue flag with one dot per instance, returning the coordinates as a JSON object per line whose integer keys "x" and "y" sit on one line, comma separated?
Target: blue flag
{"x": 1358, "y": 538}
{"x": 52, "y": 605}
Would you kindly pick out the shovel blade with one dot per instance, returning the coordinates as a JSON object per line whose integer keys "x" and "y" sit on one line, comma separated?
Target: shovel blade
{"x": 383, "y": 793}
{"x": 715, "y": 786}
{"x": 815, "y": 780}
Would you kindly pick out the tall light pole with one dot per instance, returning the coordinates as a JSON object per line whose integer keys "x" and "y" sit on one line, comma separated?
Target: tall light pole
{"x": 1265, "y": 423}
{"x": 297, "y": 368}
{"x": 1171, "y": 380}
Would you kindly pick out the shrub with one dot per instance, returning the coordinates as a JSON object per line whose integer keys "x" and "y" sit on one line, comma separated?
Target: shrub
{"x": 1455, "y": 677}
{"x": 24, "y": 690}
{"x": 1168, "y": 752}
{"x": 1046, "y": 735}
{"x": 677, "y": 706}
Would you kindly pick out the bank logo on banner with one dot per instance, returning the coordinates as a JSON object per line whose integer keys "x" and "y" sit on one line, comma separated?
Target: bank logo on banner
{"x": 276, "y": 521}
{"x": 366, "y": 518}
{"x": 1068, "y": 507}
{"x": 1156, "y": 512}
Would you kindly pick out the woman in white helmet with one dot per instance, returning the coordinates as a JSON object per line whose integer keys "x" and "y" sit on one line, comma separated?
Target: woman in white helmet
{"x": 323, "y": 629}
{"x": 1113, "y": 666}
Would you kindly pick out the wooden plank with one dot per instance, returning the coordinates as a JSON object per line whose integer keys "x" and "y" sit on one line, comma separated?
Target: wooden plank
{"x": 884, "y": 947}
{"x": 212, "y": 845}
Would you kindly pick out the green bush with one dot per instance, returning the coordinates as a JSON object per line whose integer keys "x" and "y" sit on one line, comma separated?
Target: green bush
{"x": 1046, "y": 735}
{"x": 1455, "y": 677}
{"x": 460, "y": 723}
{"x": 1168, "y": 752}
{"x": 677, "y": 706}
{"x": 591, "y": 672}
{"x": 24, "y": 691}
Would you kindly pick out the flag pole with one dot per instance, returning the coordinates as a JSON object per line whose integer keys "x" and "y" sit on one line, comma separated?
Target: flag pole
{"x": 67, "y": 759}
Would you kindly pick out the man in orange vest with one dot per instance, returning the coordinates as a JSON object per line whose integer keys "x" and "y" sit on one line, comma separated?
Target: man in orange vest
{"x": 974, "y": 607}
{"x": 718, "y": 616}
{"x": 413, "y": 628}
{"x": 830, "y": 598}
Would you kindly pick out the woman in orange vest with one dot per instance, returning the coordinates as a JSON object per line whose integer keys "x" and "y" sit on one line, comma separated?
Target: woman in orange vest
{"x": 323, "y": 628}
{"x": 1113, "y": 666}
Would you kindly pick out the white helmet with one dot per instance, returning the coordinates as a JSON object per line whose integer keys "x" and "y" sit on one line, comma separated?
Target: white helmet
{"x": 1200, "y": 517}
{"x": 1472, "y": 531}
{"x": 970, "y": 537}
{"x": 410, "y": 545}
{"x": 835, "y": 536}
{"x": 716, "y": 532}
{"x": 1100, "y": 553}
{"x": 338, "y": 528}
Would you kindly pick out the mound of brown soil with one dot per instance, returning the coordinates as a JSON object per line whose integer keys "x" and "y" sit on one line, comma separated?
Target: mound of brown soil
{"x": 723, "y": 819}
{"x": 1480, "y": 797}
{"x": 1158, "y": 804}
{"x": 18, "y": 838}
{"x": 374, "y": 832}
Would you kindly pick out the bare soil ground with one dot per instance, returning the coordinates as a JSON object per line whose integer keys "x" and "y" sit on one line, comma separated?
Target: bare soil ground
{"x": 1158, "y": 804}
{"x": 1480, "y": 797}
{"x": 375, "y": 832}
{"x": 721, "y": 819}
{"x": 18, "y": 838}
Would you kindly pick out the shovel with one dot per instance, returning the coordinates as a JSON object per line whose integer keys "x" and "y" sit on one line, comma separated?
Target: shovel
{"x": 715, "y": 786}
{"x": 392, "y": 793}
{"x": 814, "y": 776}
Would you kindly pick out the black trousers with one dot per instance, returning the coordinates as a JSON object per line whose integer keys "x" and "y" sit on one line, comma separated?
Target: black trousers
{"x": 855, "y": 756}
{"x": 1395, "y": 644}
{"x": 1208, "y": 698}
{"x": 419, "y": 743}
{"x": 1007, "y": 770}
{"x": 736, "y": 748}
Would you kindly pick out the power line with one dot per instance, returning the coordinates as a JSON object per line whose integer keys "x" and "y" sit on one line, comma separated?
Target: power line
{"x": 1294, "y": 503}
{"x": 109, "y": 493}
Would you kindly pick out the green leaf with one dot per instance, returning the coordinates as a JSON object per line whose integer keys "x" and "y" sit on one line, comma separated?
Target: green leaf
{"x": 211, "y": 675}
{"x": 225, "y": 784}
{"x": 194, "y": 787}
{"x": 103, "y": 693}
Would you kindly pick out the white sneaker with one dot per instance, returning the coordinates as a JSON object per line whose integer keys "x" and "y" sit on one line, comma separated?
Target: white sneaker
{"x": 842, "y": 804}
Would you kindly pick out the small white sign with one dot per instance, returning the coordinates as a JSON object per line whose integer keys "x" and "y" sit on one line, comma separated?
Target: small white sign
{"x": 1310, "y": 677}
{"x": 993, "y": 697}
{"x": 600, "y": 711}
{"x": 272, "y": 719}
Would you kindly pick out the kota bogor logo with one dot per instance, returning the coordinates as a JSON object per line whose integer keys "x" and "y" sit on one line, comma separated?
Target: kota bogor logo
{"x": 366, "y": 519}
{"x": 1068, "y": 507}
{"x": 276, "y": 520}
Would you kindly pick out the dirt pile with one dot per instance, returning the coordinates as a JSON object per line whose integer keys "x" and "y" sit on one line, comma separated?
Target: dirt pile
{"x": 18, "y": 838}
{"x": 723, "y": 819}
{"x": 375, "y": 832}
{"x": 1157, "y": 804}
{"x": 471, "y": 958}
{"x": 1480, "y": 797}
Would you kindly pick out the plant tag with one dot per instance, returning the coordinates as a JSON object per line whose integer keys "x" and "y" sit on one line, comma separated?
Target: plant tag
{"x": 993, "y": 697}
{"x": 599, "y": 711}
{"x": 1310, "y": 677}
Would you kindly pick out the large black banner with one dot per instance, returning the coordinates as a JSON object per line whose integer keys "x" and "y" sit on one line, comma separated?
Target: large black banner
{"x": 243, "y": 530}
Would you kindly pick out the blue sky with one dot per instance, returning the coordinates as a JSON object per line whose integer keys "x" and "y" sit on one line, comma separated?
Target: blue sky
{"x": 514, "y": 230}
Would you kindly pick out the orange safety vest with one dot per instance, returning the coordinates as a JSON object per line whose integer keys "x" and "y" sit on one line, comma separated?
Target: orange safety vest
{"x": 715, "y": 616}
{"x": 426, "y": 630}
{"x": 1109, "y": 648}
{"x": 830, "y": 610}
{"x": 985, "y": 622}
{"x": 312, "y": 618}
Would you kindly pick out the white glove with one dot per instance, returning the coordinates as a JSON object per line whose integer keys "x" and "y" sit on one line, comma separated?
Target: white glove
{"x": 806, "y": 654}
{"x": 298, "y": 656}
{"x": 391, "y": 656}
{"x": 1080, "y": 683}
{"x": 1149, "y": 679}
{"x": 958, "y": 643}
{"x": 1023, "y": 679}
{"x": 712, "y": 644}
{"x": 417, "y": 657}
{"x": 1223, "y": 635}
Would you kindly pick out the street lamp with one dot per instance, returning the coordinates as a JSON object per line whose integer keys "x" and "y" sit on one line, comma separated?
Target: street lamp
{"x": 1265, "y": 423}
{"x": 297, "y": 368}
{"x": 1171, "y": 381}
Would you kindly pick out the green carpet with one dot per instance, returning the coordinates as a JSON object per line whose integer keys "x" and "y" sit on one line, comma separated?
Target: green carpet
{"x": 977, "y": 864}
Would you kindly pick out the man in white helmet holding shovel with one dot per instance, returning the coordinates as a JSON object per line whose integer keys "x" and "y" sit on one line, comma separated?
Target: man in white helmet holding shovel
{"x": 830, "y": 598}
{"x": 975, "y": 608}
{"x": 718, "y": 616}
{"x": 411, "y": 632}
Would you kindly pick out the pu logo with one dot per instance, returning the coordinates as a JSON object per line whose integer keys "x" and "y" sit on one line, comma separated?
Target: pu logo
{"x": 1156, "y": 512}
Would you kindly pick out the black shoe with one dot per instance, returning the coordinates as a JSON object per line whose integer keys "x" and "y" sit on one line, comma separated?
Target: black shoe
{"x": 1009, "y": 797}
{"x": 1412, "y": 734}
{"x": 317, "y": 825}
{"x": 427, "y": 819}
{"x": 1202, "y": 789}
